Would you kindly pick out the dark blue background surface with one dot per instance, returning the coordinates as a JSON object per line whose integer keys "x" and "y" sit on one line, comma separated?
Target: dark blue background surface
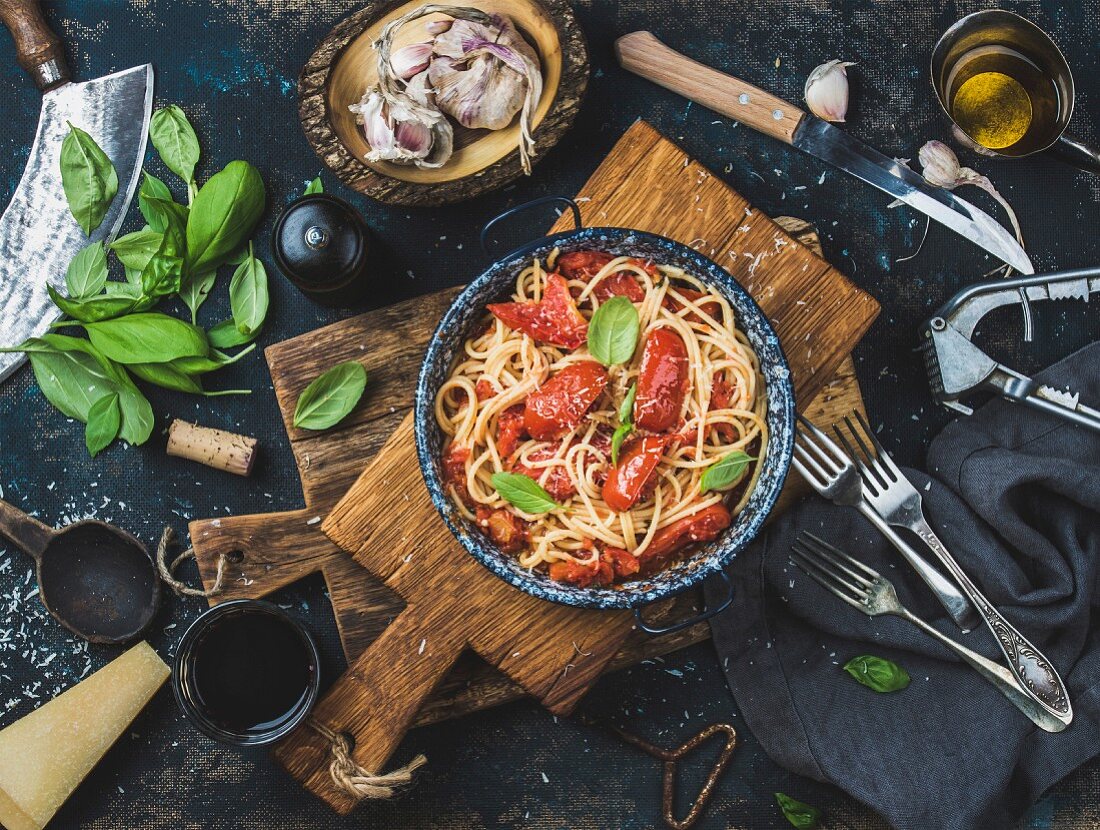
{"x": 233, "y": 66}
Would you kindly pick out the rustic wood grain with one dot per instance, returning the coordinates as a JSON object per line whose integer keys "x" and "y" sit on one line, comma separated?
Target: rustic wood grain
{"x": 274, "y": 550}
{"x": 339, "y": 72}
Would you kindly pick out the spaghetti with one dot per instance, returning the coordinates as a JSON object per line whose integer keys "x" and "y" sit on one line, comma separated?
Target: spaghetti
{"x": 527, "y": 397}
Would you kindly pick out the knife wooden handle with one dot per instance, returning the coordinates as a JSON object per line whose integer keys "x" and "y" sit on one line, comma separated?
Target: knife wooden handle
{"x": 643, "y": 54}
{"x": 37, "y": 48}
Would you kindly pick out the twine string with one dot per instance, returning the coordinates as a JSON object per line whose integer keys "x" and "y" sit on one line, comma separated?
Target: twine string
{"x": 358, "y": 782}
{"x": 167, "y": 571}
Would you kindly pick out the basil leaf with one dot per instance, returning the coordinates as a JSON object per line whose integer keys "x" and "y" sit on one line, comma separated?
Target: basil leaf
{"x": 223, "y": 215}
{"x": 162, "y": 276}
{"x": 204, "y": 365}
{"x": 617, "y": 441}
{"x": 524, "y": 493}
{"x": 147, "y": 338}
{"x": 248, "y": 295}
{"x": 226, "y": 335}
{"x": 331, "y": 397}
{"x": 175, "y": 140}
{"x": 104, "y": 422}
{"x": 800, "y": 815}
{"x": 87, "y": 273}
{"x": 93, "y": 309}
{"x": 88, "y": 179}
{"x": 195, "y": 289}
{"x": 134, "y": 250}
{"x": 153, "y": 188}
{"x": 315, "y": 186}
{"x": 166, "y": 375}
{"x": 626, "y": 408}
{"x": 613, "y": 331}
{"x": 123, "y": 289}
{"x": 725, "y": 471}
{"x": 174, "y": 217}
{"x": 877, "y": 673}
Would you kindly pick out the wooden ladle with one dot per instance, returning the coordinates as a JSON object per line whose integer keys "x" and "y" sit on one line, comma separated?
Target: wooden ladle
{"x": 95, "y": 579}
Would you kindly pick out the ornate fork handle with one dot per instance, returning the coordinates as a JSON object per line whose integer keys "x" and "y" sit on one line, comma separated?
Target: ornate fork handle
{"x": 1037, "y": 676}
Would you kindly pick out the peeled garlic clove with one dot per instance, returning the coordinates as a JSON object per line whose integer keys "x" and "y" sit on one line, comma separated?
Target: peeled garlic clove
{"x": 376, "y": 127}
{"x": 939, "y": 164}
{"x": 411, "y": 60}
{"x": 826, "y": 90}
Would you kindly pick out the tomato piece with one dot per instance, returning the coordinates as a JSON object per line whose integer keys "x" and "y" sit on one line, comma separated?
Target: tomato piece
{"x": 507, "y": 530}
{"x": 510, "y": 430}
{"x": 627, "y": 481}
{"x": 581, "y": 575}
{"x": 662, "y": 381}
{"x": 721, "y": 394}
{"x": 558, "y": 483}
{"x": 622, "y": 562}
{"x": 710, "y": 306}
{"x": 554, "y": 319}
{"x": 584, "y": 265}
{"x": 563, "y": 400}
{"x": 485, "y": 390}
{"x": 619, "y": 285}
{"x": 454, "y": 471}
{"x": 699, "y": 527}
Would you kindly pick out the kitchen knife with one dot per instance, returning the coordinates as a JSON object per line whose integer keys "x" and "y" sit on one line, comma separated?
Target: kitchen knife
{"x": 643, "y": 54}
{"x": 38, "y": 234}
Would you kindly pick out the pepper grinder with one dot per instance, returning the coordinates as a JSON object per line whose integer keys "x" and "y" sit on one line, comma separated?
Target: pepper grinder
{"x": 321, "y": 244}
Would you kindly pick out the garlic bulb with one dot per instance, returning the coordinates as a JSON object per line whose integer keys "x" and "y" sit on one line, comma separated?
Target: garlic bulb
{"x": 411, "y": 60}
{"x": 826, "y": 90}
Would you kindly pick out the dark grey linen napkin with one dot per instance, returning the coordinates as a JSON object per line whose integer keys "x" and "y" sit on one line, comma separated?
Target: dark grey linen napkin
{"x": 1015, "y": 495}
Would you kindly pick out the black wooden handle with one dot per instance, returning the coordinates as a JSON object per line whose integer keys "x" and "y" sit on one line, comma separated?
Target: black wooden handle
{"x": 37, "y": 48}
{"x": 29, "y": 534}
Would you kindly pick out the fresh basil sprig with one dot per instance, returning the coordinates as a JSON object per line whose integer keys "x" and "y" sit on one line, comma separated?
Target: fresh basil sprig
{"x": 175, "y": 140}
{"x": 800, "y": 815}
{"x": 104, "y": 422}
{"x": 725, "y": 471}
{"x": 248, "y": 294}
{"x": 88, "y": 178}
{"x": 524, "y": 493}
{"x": 315, "y": 186}
{"x": 150, "y": 337}
{"x": 223, "y": 215}
{"x": 626, "y": 423}
{"x": 331, "y": 397}
{"x": 613, "y": 331}
{"x": 877, "y": 673}
{"x": 87, "y": 273}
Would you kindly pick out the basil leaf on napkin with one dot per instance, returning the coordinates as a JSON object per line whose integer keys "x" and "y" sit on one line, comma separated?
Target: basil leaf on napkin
{"x": 153, "y": 188}
{"x": 524, "y": 493}
{"x": 725, "y": 471}
{"x": 331, "y": 397}
{"x": 800, "y": 815}
{"x": 150, "y": 337}
{"x": 314, "y": 186}
{"x": 88, "y": 179}
{"x": 223, "y": 215}
{"x": 877, "y": 673}
{"x": 104, "y": 421}
{"x": 87, "y": 273}
{"x": 613, "y": 331}
{"x": 175, "y": 140}
{"x": 248, "y": 295}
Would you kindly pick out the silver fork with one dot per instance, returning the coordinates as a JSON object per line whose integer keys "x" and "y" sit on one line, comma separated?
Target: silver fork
{"x": 874, "y": 595}
{"x": 899, "y": 503}
{"x": 832, "y": 474}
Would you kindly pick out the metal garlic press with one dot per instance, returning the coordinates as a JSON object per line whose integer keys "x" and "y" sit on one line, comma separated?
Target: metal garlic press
{"x": 957, "y": 367}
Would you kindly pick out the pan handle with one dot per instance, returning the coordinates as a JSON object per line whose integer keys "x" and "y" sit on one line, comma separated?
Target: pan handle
{"x": 508, "y": 214}
{"x": 1076, "y": 152}
{"x": 706, "y": 614}
{"x": 29, "y": 534}
{"x": 37, "y": 48}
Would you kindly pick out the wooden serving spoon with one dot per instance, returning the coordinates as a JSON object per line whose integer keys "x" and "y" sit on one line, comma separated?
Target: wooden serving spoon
{"x": 95, "y": 579}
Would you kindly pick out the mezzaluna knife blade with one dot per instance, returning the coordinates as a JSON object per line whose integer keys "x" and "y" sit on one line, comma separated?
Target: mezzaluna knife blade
{"x": 643, "y": 54}
{"x": 38, "y": 234}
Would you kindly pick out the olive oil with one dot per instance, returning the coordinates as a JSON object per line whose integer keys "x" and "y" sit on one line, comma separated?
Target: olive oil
{"x": 1002, "y": 100}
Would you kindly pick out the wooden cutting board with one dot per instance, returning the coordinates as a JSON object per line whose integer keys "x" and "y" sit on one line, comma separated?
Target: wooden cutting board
{"x": 826, "y": 317}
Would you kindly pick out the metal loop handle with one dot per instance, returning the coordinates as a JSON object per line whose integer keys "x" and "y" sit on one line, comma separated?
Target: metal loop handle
{"x": 690, "y": 621}
{"x": 508, "y": 214}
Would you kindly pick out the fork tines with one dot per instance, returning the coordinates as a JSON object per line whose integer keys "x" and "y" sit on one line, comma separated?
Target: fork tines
{"x": 875, "y": 465}
{"x": 833, "y": 569}
{"x": 812, "y": 451}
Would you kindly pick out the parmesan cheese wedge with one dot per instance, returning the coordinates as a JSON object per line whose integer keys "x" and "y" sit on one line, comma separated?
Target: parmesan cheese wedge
{"x": 45, "y": 755}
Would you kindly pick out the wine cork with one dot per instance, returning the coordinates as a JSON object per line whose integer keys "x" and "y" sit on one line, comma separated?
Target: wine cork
{"x": 213, "y": 447}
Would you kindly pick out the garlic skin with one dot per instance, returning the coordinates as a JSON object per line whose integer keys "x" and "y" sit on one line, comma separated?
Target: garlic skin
{"x": 826, "y": 90}
{"x": 438, "y": 27}
{"x": 411, "y": 60}
{"x": 401, "y": 130}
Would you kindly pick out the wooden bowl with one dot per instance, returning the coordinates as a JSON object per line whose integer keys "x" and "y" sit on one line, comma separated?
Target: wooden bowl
{"x": 345, "y": 66}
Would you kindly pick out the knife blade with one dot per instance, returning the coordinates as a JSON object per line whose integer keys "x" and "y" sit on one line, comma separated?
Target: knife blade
{"x": 643, "y": 54}
{"x": 38, "y": 234}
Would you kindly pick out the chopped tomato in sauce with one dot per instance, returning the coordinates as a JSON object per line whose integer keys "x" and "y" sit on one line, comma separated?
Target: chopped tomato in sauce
{"x": 511, "y": 429}
{"x": 454, "y": 470}
{"x": 699, "y": 527}
{"x": 554, "y": 319}
{"x": 662, "y": 381}
{"x": 507, "y": 530}
{"x": 612, "y": 564}
{"x": 558, "y": 483}
{"x": 709, "y": 305}
{"x": 584, "y": 265}
{"x": 626, "y": 483}
{"x": 721, "y": 394}
{"x": 562, "y": 402}
{"x": 485, "y": 390}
